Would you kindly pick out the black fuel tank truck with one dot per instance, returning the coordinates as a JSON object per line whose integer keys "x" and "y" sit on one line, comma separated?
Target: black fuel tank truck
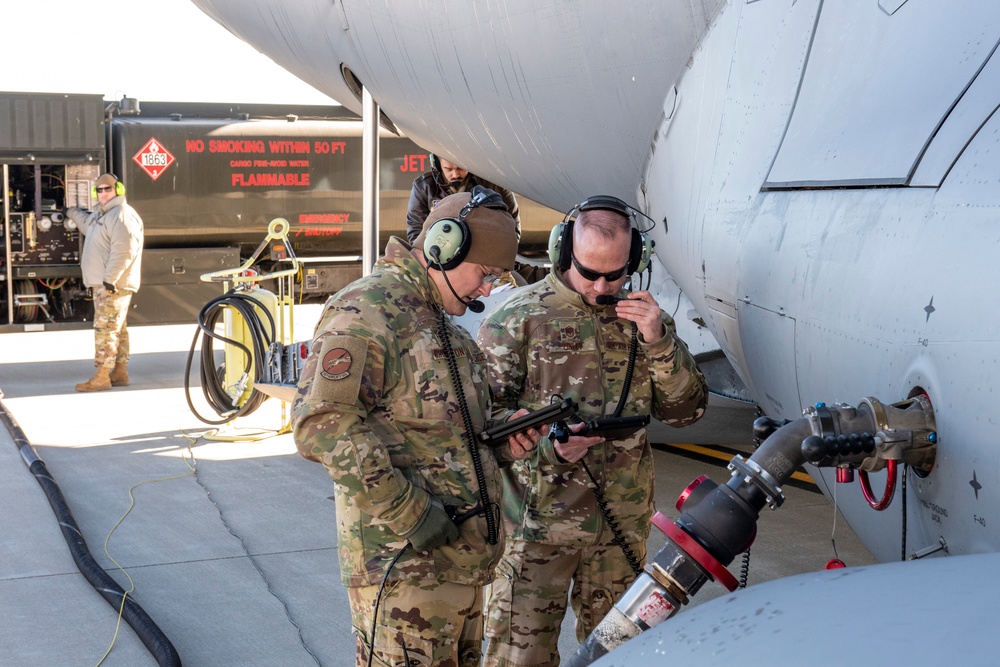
{"x": 207, "y": 180}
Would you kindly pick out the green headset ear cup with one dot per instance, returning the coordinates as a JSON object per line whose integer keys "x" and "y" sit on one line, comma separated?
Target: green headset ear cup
{"x": 640, "y": 252}
{"x": 119, "y": 189}
{"x": 555, "y": 240}
{"x": 561, "y": 245}
{"x": 450, "y": 240}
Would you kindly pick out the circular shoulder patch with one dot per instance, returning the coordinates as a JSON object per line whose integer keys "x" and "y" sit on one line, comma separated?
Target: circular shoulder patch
{"x": 336, "y": 364}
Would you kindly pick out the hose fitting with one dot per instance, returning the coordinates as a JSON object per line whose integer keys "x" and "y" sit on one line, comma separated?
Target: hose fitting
{"x": 718, "y": 522}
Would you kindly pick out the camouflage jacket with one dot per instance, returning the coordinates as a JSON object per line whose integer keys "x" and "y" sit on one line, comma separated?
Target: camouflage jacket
{"x": 376, "y": 406}
{"x": 547, "y": 340}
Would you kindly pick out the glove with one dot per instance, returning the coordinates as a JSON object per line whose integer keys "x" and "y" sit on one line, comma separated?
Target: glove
{"x": 111, "y": 288}
{"x": 435, "y": 529}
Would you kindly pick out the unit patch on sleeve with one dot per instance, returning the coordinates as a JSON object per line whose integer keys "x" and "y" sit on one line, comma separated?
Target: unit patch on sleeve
{"x": 336, "y": 364}
{"x": 340, "y": 368}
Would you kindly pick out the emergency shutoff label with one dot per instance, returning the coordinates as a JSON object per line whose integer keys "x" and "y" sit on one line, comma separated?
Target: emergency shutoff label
{"x": 153, "y": 158}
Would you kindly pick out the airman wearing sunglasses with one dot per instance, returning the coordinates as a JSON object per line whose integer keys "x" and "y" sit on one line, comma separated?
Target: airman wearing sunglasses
{"x": 551, "y": 338}
{"x": 111, "y": 264}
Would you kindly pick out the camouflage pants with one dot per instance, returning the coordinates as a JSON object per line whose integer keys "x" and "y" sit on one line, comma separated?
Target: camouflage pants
{"x": 526, "y": 603}
{"x": 424, "y": 622}
{"x": 110, "y": 328}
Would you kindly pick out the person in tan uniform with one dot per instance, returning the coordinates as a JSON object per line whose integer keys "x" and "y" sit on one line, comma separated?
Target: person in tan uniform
{"x": 111, "y": 264}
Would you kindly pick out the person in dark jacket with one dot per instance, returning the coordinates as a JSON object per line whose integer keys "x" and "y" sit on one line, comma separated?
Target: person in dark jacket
{"x": 447, "y": 178}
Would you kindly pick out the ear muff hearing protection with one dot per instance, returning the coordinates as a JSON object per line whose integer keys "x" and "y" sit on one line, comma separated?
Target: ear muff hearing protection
{"x": 448, "y": 240}
{"x": 119, "y": 188}
{"x": 561, "y": 237}
{"x": 434, "y": 161}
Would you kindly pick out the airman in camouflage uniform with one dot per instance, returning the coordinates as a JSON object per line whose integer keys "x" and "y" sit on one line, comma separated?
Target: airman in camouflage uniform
{"x": 553, "y": 338}
{"x": 111, "y": 265}
{"x": 379, "y": 406}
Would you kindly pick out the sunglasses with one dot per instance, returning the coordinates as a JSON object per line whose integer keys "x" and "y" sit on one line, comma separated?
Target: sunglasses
{"x": 490, "y": 278}
{"x": 105, "y": 188}
{"x": 594, "y": 276}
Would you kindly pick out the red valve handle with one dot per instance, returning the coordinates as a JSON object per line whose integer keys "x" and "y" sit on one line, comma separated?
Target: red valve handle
{"x": 890, "y": 487}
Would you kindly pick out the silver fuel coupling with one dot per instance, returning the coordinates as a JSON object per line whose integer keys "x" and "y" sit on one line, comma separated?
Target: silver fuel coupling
{"x": 677, "y": 571}
{"x": 718, "y": 522}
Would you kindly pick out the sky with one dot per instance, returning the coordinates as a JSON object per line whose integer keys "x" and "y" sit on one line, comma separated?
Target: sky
{"x": 147, "y": 49}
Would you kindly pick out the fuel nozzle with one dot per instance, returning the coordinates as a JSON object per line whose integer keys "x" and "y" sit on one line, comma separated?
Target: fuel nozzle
{"x": 716, "y": 523}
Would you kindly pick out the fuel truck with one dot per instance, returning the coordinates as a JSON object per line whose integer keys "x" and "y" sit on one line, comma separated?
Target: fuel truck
{"x": 207, "y": 179}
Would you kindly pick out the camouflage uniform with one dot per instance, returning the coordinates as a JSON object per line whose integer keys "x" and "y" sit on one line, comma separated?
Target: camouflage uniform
{"x": 110, "y": 328}
{"x": 376, "y": 406}
{"x": 547, "y": 340}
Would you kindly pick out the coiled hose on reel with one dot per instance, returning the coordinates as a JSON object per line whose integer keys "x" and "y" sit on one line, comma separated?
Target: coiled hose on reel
{"x": 221, "y": 401}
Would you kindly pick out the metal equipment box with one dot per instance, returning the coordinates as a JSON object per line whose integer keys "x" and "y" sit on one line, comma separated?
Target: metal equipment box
{"x": 172, "y": 291}
{"x": 38, "y": 127}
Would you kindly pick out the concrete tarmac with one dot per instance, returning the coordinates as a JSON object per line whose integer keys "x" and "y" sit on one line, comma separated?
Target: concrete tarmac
{"x": 225, "y": 536}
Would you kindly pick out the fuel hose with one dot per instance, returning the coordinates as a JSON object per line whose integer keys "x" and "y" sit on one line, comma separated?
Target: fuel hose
{"x": 221, "y": 401}
{"x": 148, "y": 632}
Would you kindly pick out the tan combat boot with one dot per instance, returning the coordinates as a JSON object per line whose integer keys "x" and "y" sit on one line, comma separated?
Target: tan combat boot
{"x": 119, "y": 376}
{"x": 99, "y": 382}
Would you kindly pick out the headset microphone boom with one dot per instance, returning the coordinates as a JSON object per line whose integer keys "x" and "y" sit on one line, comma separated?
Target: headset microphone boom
{"x": 474, "y": 305}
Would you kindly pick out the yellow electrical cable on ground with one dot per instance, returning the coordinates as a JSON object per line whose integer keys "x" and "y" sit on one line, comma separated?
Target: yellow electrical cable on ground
{"x": 192, "y": 467}
{"x": 256, "y": 436}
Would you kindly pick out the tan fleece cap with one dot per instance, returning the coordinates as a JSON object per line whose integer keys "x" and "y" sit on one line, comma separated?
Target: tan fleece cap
{"x": 106, "y": 179}
{"x": 493, "y": 231}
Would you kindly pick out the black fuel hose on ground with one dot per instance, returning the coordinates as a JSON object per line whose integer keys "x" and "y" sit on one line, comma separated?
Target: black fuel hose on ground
{"x": 215, "y": 393}
{"x": 148, "y": 632}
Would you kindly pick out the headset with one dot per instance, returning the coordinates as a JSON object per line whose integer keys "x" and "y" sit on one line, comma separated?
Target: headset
{"x": 640, "y": 250}
{"x": 448, "y": 240}
{"x": 119, "y": 187}
{"x": 439, "y": 178}
{"x": 437, "y": 172}
{"x": 561, "y": 238}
